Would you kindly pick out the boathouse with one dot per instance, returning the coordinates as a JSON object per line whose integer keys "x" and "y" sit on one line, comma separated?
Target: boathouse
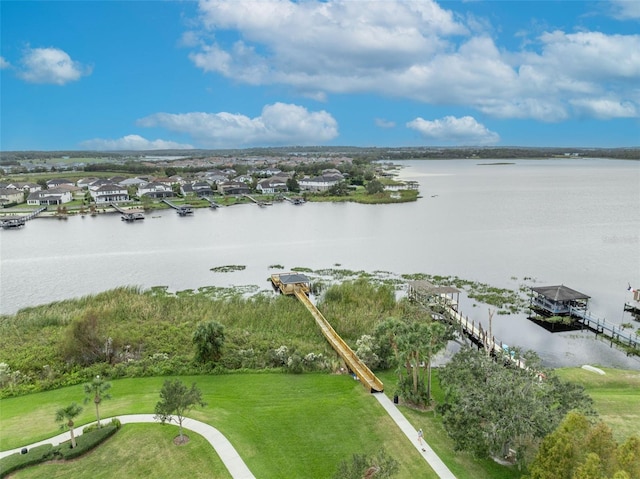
{"x": 287, "y": 283}
{"x": 426, "y": 292}
{"x": 558, "y": 301}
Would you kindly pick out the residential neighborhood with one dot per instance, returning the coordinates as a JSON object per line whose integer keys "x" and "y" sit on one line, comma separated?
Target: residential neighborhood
{"x": 261, "y": 178}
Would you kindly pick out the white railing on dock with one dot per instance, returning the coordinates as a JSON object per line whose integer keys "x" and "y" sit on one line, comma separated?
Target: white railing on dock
{"x": 611, "y": 330}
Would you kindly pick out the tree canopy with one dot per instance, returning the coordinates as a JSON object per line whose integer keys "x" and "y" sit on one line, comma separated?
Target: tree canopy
{"x": 97, "y": 391}
{"x": 176, "y": 400}
{"x": 580, "y": 449}
{"x": 491, "y": 407}
{"x": 66, "y": 416}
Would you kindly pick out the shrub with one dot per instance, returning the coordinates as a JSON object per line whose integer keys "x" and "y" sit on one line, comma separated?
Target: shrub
{"x": 86, "y": 442}
{"x": 18, "y": 461}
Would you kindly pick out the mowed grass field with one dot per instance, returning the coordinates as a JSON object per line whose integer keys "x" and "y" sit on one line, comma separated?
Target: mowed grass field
{"x": 616, "y": 396}
{"x": 283, "y": 425}
{"x": 138, "y": 450}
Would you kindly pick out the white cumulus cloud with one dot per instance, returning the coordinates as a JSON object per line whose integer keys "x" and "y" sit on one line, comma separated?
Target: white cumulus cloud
{"x": 4, "y": 63}
{"x": 605, "y": 109}
{"x": 50, "y": 65}
{"x": 278, "y": 124}
{"x": 451, "y": 130}
{"x": 133, "y": 142}
{"x": 416, "y": 49}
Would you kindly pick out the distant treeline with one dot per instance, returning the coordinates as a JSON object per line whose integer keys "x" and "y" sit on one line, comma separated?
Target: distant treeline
{"x": 370, "y": 153}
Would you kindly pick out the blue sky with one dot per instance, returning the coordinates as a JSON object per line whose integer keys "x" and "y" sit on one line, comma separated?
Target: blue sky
{"x": 139, "y": 75}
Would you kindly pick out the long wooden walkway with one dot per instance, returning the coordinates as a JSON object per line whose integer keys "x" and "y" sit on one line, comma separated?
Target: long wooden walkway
{"x": 360, "y": 369}
{"x": 478, "y": 335}
{"x": 298, "y": 285}
{"x": 428, "y": 294}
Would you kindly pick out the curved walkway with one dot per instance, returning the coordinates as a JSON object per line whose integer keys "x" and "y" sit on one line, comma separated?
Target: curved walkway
{"x": 229, "y": 456}
{"x": 232, "y": 460}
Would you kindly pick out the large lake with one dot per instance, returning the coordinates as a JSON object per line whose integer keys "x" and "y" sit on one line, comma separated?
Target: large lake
{"x": 567, "y": 221}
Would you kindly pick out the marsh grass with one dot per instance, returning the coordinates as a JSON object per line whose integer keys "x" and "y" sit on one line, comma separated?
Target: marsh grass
{"x": 150, "y": 332}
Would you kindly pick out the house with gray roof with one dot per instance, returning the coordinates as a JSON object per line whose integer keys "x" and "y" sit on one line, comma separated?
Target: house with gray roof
{"x": 109, "y": 193}
{"x": 52, "y": 196}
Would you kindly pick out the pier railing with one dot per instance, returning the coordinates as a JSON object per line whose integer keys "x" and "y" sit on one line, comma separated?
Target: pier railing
{"x": 360, "y": 369}
{"x": 613, "y": 331}
{"x": 480, "y": 336}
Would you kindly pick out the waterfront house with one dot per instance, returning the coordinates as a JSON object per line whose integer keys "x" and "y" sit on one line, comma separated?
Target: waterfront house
{"x": 272, "y": 185}
{"x": 233, "y": 188}
{"x": 155, "y": 190}
{"x": 110, "y": 193}
{"x": 198, "y": 188}
{"x": 11, "y": 195}
{"x": 52, "y": 196}
{"x": 318, "y": 183}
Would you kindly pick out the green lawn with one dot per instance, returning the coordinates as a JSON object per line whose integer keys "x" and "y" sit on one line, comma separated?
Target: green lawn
{"x": 616, "y": 396}
{"x": 139, "y": 450}
{"x": 285, "y": 426}
{"x": 291, "y": 426}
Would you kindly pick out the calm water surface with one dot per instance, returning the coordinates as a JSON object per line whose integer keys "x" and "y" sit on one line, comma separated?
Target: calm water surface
{"x": 573, "y": 222}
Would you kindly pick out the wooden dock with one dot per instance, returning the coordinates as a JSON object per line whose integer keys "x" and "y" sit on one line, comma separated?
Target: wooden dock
{"x": 212, "y": 204}
{"x": 258, "y": 202}
{"x": 182, "y": 210}
{"x": 128, "y": 215}
{"x": 18, "y": 221}
{"x": 299, "y": 285}
{"x": 294, "y": 201}
{"x": 446, "y": 299}
{"x": 615, "y": 333}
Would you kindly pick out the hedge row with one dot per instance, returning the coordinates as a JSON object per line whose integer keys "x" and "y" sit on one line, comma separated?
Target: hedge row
{"x": 47, "y": 452}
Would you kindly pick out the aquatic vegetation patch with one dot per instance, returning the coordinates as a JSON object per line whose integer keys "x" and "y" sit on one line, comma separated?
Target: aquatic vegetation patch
{"x": 228, "y": 268}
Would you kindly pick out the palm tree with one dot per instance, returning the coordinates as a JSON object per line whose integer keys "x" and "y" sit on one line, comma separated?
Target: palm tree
{"x": 98, "y": 390}
{"x": 66, "y": 415}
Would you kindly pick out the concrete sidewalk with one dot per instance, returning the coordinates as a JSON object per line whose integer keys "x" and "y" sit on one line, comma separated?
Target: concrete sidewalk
{"x": 405, "y": 426}
{"x": 229, "y": 456}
